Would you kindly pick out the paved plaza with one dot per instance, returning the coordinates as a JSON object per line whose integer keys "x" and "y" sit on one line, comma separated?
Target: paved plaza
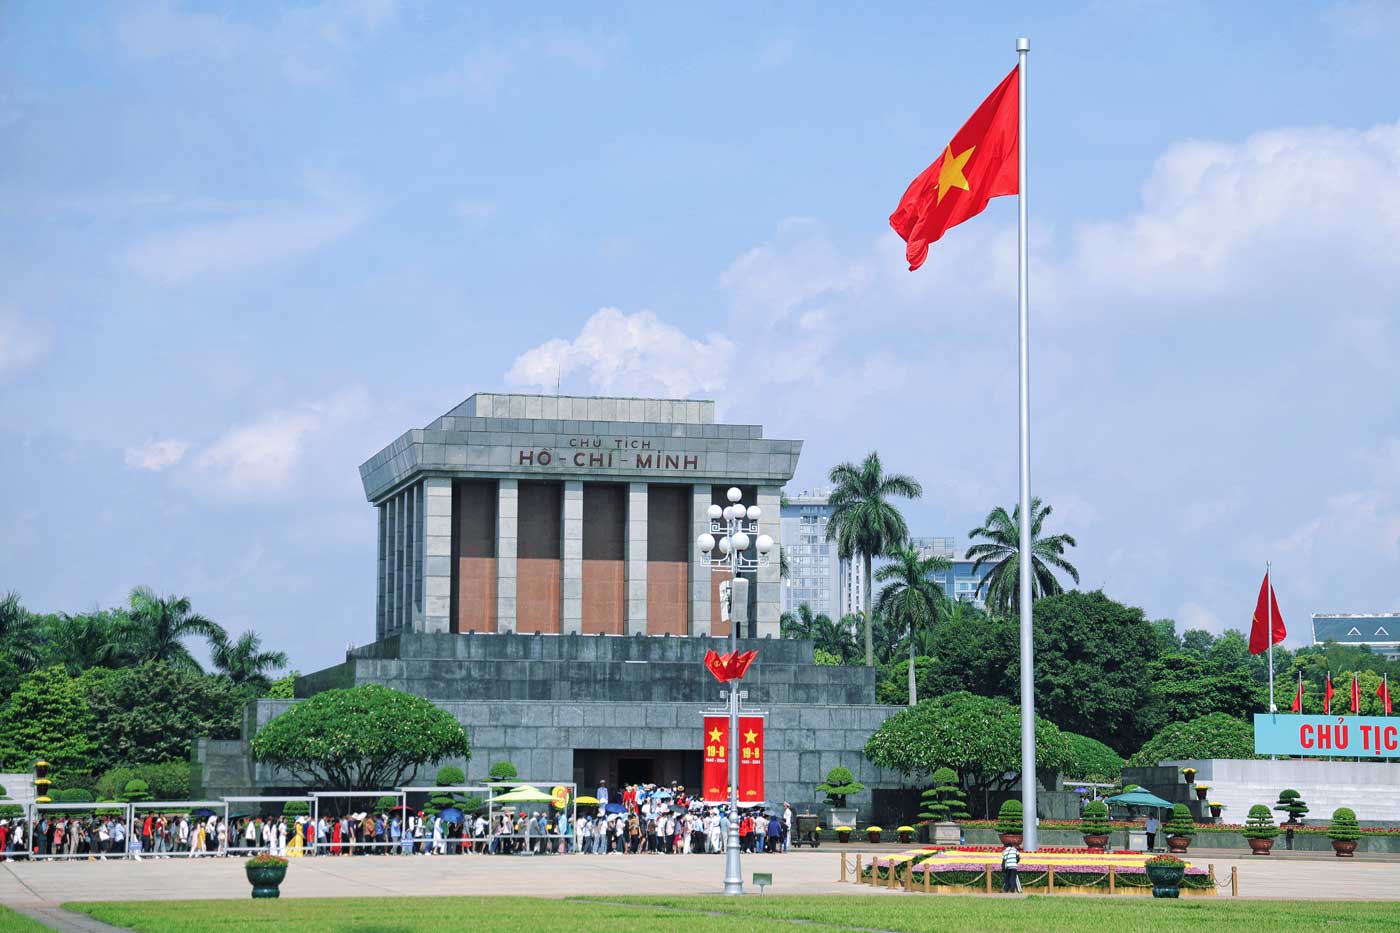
{"x": 29, "y": 884}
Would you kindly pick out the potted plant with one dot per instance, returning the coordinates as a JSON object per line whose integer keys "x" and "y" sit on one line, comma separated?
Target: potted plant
{"x": 872, "y": 833}
{"x": 1291, "y": 802}
{"x": 1189, "y": 774}
{"x": 815, "y": 838}
{"x": 1344, "y": 832}
{"x": 906, "y": 834}
{"x": 1094, "y": 824}
{"x": 1166, "y": 872}
{"x": 840, "y": 783}
{"x": 1179, "y": 829}
{"x": 1215, "y": 807}
{"x": 944, "y": 803}
{"x": 1010, "y": 829}
{"x": 1201, "y": 790}
{"x": 1260, "y": 830}
{"x": 843, "y": 834}
{"x": 265, "y": 874}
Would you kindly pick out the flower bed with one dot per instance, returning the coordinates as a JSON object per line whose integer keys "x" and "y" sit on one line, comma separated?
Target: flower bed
{"x": 1200, "y": 827}
{"x": 1080, "y": 870}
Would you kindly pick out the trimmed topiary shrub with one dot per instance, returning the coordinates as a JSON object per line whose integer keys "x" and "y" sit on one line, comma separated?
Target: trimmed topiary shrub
{"x": 451, "y": 776}
{"x": 74, "y": 795}
{"x": 1180, "y": 823}
{"x": 136, "y": 791}
{"x": 1094, "y": 821}
{"x": 385, "y": 804}
{"x": 1009, "y": 817}
{"x": 503, "y": 771}
{"x": 296, "y": 808}
{"x": 1344, "y": 827}
{"x": 1260, "y": 823}
{"x": 840, "y": 783}
{"x": 945, "y": 800}
{"x": 1291, "y": 802}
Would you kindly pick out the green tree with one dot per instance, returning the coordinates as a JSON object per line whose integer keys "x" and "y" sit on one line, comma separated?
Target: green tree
{"x": 1001, "y": 549}
{"x": 158, "y": 626}
{"x": 1186, "y": 686}
{"x": 978, "y": 737}
{"x": 48, "y": 718}
{"x": 1168, "y": 641}
{"x": 973, "y": 652}
{"x": 840, "y": 783}
{"x": 360, "y": 738}
{"x": 244, "y": 662}
{"x": 152, "y": 713}
{"x": 836, "y": 638}
{"x": 911, "y": 598}
{"x": 82, "y": 642}
{"x": 864, "y": 522}
{"x": 19, "y": 635}
{"x": 1091, "y": 760}
{"x": 502, "y": 771}
{"x": 1216, "y": 735}
{"x": 168, "y": 780}
{"x": 283, "y": 688}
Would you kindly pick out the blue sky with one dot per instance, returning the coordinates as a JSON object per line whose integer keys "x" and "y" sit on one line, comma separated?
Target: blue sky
{"x": 246, "y": 246}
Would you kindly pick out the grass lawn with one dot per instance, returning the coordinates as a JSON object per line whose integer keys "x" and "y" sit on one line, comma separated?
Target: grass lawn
{"x": 11, "y": 922}
{"x": 905, "y": 914}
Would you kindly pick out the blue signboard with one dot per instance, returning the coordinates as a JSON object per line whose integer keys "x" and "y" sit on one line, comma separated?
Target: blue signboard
{"x": 1318, "y": 736}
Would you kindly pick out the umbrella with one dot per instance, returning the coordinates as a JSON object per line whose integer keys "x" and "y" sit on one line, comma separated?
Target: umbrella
{"x": 662, "y": 794}
{"x": 451, "y": 815}
{"x": 524, "y": 794}
{"x": 614, "y": 808}
{"x": 202, "y": 811}
{"x": 1140, "y": 798}
{"x": 586, "y": 801}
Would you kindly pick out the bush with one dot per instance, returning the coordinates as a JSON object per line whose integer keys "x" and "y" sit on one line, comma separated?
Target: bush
{"x": 1009, "y": 817}
{"x": 74, "y": 795}
{"x": 136, "y": 791}
{"x": 945, "y": 800}
{"x": 386, "y": 803}
{"x": 169, "y": 780}
{"x": 1215, "y": 735}
{"x": 450, "y": 776}
{"x": 1091, "y": 760}
{"x": 1291, "y": 802}
{"x": 11, "y": 811}
{"x": 840, "y": 784}
{"x": 296, "y": 808}
{"x": 1095, "y": 819}
{"x": 1260, "y": 823}
{"x": 823, "y": 658}
{"x": 503, "y": 771}
{"x": 1180, "y": 823}
{"x": 1344, "y": 827}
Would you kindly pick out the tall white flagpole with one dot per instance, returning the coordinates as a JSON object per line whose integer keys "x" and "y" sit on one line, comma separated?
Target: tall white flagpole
{"x": 1028, "y": 776}
{"x": 1269, "y": 596}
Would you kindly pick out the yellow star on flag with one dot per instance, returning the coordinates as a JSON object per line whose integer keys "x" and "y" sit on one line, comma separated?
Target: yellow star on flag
{"x": 950, "y": 173}
{"x": 750, "y": 737}
{"x": 716, "y": 735}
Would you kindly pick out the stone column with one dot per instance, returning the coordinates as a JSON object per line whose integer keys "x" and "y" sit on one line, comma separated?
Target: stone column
{"x": 437, "y": 554}
{"x": 571, "y": 585}
{"x": 380, "y": 588}
{"x": 507, "y": 522}
{"x": 770, "y": 587}
{"x": 400, "y": 586}
{"x": 635, "y": 554}
{"x": 699, "y": 574}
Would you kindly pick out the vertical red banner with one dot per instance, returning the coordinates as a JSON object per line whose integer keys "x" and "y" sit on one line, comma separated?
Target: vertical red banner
{"x": 715, "y": 778}
{"x": 751, "y": 757}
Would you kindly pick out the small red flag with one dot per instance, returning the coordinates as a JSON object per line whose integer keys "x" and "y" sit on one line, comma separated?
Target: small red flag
{"x": 730, "y": 666}
{"x": 1265, "y": 611}
{"x": 1355, "y": 693}
{"x": 1298, "y": 697}
{"x": 1327, "y": 696}
{"x": 715, "y": 665}
{"x": 740, "y": 665}
{"x": 1383, "y": 691}
{"x": 978, "y": 164}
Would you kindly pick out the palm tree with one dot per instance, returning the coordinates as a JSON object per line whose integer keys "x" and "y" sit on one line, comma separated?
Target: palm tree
{"x": 1002, "y": 549}
{"x": 85, "y": 641}
{"x": 158, "y": 625}
{"x": 242, "y": 661}
{"x": 19, "y": 635}
{"x": 911, "y": 598}
{"x": 864, "y": 522}
{"x": 838, "y": 638}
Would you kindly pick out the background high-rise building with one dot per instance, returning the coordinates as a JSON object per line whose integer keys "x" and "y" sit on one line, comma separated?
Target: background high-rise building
{"x": 958, "y": 581}
{"x": 816, "y": 574}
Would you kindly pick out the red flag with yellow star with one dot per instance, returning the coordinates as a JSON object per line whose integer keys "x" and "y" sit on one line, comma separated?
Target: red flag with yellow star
{"x": 714, "y": 780}
{"x": 978, "y": 164}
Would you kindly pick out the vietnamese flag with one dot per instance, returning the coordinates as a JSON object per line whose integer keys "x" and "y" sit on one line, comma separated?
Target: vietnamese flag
{"x": 1327, "y": 696}
{"x": 1265, "y": 613}
{"x": 1383, "y": 691}
{"x": 1298, "y": 697}
{"x": 1355, "y": 693}
{"x": 979, "y": 163}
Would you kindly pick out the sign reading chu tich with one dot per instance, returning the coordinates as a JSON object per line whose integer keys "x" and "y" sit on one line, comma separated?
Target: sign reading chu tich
{"x": 595, "y": 453}
{"x": 1312, "y": 736}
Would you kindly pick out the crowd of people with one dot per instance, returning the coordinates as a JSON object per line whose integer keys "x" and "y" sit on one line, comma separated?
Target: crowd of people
{"x": 645, "y": 819}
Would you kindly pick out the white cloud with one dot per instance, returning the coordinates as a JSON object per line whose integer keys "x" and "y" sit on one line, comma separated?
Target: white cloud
{"x": 263, "y": 455}
{"x": 157, "y": 455}
{"x": 620, "y": 354}
{"x": 792, "y": 272}
{"x": 23, "y": 342}
{"x": 248, "y": 239}
{"x": 1363, "y": 19}
{"x": 1193, "y": 615}
{"x": 484, "y": 70}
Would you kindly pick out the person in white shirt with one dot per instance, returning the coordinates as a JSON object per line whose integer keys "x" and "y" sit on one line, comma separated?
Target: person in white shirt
{"x": 787, "y": 825}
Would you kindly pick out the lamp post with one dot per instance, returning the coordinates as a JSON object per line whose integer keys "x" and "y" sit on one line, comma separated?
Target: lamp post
{"x": 733, "y": 524}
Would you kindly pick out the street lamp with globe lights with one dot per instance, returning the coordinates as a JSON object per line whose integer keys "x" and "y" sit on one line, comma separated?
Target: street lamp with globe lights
{"x": 733, "y": 528}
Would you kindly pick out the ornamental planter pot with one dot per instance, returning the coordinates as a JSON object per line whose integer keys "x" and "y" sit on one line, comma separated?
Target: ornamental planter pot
{"x": 1215, "y": 812}
{"x": 843, "y": 835}
{"x": 266, "y": 879}
{"x": 873, "y": 836}
{"x": 1189, "y": 774}
{"x": 1201, "y": 792}
{"x": 1178, "y": 844}
{"x": 1011, "y": 839}
{"x": 1096, "y": 842}
{"x": 1260, "y": 846}
{"x": 947, "y": 834}
{"x": 1344, "y": 847}
{"x": 841, "y": 816}
{"x": 1166, "y": 879}
{"x": 905, "y": 837}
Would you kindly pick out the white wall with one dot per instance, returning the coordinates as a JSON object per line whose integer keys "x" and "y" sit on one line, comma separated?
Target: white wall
{"x": 1371, "y": 788}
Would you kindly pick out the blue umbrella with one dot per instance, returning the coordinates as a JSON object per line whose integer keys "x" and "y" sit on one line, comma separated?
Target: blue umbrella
{"x": 202, "y": 811}
{"x": 614, "y": 808}
{"x": 662, "y": 794}
{"x": 451, "y": 815}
